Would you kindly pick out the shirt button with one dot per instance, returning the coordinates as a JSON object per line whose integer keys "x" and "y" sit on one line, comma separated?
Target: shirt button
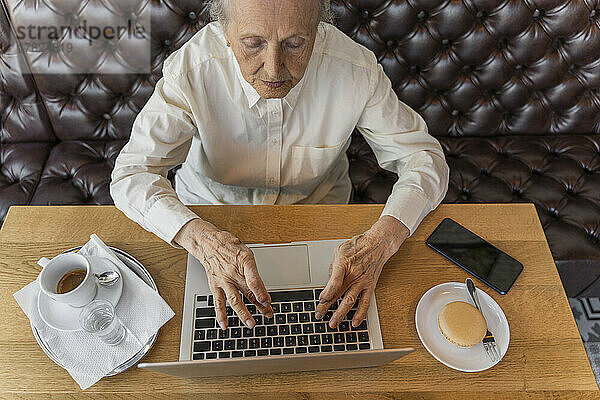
{"x": 274, "y": 112}
{"x": 274, "y": 140}
{"x": 272, "y": 181}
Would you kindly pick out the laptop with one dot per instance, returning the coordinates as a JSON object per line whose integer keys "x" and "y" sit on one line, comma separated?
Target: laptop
{"x": 293, "y": 340}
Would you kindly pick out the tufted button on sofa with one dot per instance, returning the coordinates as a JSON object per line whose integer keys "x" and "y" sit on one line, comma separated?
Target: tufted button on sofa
{"x": 509, "y": 88}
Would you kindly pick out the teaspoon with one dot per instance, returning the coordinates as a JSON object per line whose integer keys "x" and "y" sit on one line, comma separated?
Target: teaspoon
{"x": 108, "y": 278}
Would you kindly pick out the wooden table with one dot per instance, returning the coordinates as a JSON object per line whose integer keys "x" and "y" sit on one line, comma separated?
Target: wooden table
{"x": 545, "y": 358}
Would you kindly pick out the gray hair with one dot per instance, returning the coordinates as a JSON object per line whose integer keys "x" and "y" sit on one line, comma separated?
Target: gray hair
{"x": 218, "y": 11}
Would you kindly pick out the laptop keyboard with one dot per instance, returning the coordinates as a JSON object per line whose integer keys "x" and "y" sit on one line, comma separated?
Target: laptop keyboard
{"x": 292, "y": 330}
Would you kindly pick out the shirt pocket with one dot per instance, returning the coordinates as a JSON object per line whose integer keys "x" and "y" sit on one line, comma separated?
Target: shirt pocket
{"x": 311, "y": 163}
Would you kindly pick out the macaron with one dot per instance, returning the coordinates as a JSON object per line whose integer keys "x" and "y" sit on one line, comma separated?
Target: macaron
{"x": 462, "y": 324}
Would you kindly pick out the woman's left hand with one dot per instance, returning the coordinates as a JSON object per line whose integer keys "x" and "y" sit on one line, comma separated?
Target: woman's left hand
{"x": 356, "y": 266}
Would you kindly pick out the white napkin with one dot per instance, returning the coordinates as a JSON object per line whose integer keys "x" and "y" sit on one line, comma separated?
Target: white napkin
{"x": 84, "y": 356}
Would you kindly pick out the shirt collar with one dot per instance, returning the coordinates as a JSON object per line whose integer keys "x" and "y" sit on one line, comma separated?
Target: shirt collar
{"x": 251, "y": 93}
{"x": 291, "y": 98}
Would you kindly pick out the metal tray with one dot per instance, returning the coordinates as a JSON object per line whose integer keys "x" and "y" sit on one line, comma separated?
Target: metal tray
{"x": 140, "y": 271}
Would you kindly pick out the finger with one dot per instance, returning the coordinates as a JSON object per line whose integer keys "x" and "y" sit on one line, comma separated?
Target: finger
{"x": 363, "y": 307}
{"x": 220, "y": 306}
{"x": 254, "y": 281}
{"x": 345, "y": 305}
{"x": 234, "y": 298}
{"x": 266, "y": 311}
{"x": 332, "y": 291}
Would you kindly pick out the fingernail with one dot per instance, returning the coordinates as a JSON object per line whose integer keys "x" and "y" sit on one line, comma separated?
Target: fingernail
{"x": 222, "y": 325}
{"x": 318, "y": 315}
{"x": 331, "y": 324}
{"x": 250, "y": 323}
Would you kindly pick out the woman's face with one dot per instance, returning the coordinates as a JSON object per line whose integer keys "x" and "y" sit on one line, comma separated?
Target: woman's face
{"x": 272, "y": 41}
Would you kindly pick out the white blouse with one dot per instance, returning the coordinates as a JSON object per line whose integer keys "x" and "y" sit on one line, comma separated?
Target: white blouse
{"x": 238, "y": 148}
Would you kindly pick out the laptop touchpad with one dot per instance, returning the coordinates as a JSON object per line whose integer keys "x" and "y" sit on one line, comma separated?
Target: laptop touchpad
{"x": 282, "y": 265}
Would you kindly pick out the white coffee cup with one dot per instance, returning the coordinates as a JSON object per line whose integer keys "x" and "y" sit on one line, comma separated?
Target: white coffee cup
{"x": 52, "y": 272}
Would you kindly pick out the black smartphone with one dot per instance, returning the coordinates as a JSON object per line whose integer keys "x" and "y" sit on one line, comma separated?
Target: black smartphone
{"x": 487, "y": 263}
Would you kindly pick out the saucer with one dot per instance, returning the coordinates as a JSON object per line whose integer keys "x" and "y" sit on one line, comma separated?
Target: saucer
{"x": 62, "y": 316}
{"x": 472, "y": 359}
{"x": 138, "y": 268}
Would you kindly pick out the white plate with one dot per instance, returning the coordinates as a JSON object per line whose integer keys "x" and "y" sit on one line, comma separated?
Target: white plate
{"x": 473, "y": 359}
{"x": 65, "y": 318}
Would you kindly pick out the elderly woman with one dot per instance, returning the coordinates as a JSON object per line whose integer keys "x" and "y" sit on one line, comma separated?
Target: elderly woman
{"x": 259, "y": 106}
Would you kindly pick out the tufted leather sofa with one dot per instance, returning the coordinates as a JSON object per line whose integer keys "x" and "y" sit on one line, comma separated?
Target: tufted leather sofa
{"x": 510, "y": 88}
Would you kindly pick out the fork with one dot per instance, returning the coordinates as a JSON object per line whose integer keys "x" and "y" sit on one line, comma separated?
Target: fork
{"x": 489, "y": 343}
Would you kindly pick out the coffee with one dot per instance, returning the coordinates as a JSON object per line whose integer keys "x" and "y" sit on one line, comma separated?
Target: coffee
{"x": 70, "y": 280}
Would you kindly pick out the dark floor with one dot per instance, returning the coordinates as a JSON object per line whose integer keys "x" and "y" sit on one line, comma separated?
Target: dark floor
{"x": 581, "y": 280}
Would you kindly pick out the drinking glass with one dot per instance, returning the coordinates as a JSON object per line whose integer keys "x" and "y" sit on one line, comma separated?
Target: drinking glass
{"x": 100, "y": 319}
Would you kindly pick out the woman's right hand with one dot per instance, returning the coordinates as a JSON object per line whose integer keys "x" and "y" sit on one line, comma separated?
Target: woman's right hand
{"x": 230, "y": 268}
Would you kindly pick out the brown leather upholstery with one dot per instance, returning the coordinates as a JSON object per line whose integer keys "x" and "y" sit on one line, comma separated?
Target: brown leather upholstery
{"x": 26, "y": 136}
{"x": 560, "y": 174}
{"x": 509, "y": 88}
